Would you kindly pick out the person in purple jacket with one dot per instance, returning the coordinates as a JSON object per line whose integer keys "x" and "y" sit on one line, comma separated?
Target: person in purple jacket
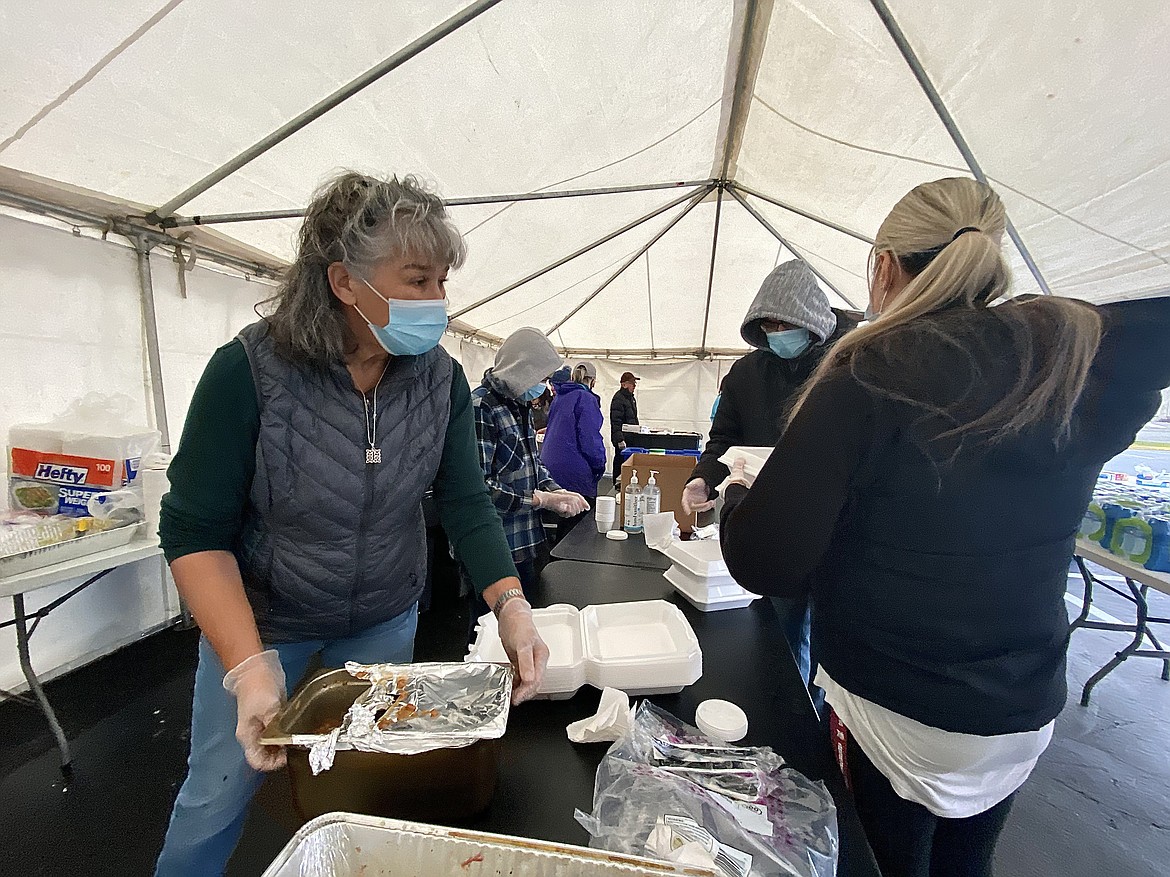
{"x": 573, "y": 451}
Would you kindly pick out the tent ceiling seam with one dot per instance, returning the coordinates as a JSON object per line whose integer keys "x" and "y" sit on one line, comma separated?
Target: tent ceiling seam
{"x": 1056, "y": 211}
{"x": 911, "y": 58}
{"x": 91, "y": 73}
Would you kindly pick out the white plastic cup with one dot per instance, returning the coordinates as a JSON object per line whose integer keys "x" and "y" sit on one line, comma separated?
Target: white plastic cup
{"x": 606, "y": 513}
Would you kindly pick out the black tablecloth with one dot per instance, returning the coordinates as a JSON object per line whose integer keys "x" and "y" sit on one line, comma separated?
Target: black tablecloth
{"x": 543, "y": 776}
{"x": 584, "y": 543}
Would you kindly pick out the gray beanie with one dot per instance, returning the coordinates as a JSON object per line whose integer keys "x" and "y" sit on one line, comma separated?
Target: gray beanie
{"x": 790, "y": 294}
{"x": 525, "y": 359}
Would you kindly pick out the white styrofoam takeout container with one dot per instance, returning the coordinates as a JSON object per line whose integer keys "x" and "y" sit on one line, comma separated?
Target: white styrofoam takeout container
{"x": 709, "y": 595}
{"x": 754, "y": 459}
{"x": 641, "y": 648}
{"x": 348, "y": 845}
{"x": 560, "y": 628}
{"x": 703, "y": 558}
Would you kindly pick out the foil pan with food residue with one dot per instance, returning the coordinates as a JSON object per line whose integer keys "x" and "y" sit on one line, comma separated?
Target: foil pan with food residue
{"x": 409, "y": 709}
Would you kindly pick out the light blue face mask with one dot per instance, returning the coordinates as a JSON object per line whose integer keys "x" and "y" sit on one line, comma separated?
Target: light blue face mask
{"x": 790, "y": 343}
{"x": 413, "y": 328}
{"x": 533, "y": 393}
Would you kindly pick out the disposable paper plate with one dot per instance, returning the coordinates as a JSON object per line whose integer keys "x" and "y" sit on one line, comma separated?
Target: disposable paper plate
{"x": 703, "y": 558}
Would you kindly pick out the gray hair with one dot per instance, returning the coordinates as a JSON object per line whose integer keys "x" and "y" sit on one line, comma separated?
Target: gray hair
{"x": 360, "y": 221}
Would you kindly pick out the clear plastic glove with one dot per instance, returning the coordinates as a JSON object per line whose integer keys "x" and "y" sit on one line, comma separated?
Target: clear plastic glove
{"x": 694, "y": 498}
{"x": 258, "y": 685}
{"x": 526, "y": 650}
{"x": 562, "y": 502}
{"x": 739, "y": 473}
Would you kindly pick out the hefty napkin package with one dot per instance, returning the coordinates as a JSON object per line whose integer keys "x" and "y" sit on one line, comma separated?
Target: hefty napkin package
{"x": 59, "y": 467}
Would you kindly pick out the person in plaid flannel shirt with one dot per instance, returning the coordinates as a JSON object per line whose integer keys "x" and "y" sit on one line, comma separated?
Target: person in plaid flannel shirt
{"x": 518, "y": 482}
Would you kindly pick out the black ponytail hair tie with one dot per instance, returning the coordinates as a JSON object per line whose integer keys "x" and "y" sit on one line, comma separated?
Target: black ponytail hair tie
{"x": 964, "y": 230}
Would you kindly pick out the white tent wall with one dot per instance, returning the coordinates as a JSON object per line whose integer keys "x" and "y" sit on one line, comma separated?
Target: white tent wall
{"x": 71, "y": 322}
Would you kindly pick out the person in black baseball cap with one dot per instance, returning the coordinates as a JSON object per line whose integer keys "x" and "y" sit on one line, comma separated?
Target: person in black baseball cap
{"x": 623, "y": 412}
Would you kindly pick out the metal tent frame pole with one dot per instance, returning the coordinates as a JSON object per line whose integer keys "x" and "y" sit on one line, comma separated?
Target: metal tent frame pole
{"x": 759, "y": 217}
{"x": 820, "y": 220}
{"x": 153, "y": 357}
{"x": 582, "y": 251}
{"x": 297, "y": 212}
{"x": 323, "y": 106}
{"x": 944, "y": 114}
{"x": 634, "y": 258}
{"x": 711, "y": 273}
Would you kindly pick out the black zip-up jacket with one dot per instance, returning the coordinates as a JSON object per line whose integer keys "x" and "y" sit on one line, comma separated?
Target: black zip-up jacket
{"x": 623, "y": 411}
{"x": 938, "y": 585}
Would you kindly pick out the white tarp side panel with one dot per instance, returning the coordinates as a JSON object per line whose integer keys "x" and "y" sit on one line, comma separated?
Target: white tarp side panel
{"x": 671, "y": 395}
{"x": 48, "y": 47}
{"x": 71, "y": 317}
{"x": 474, "y": 358}
{"x": 1061, "y": 103}
{"x": 206, "y": 82}
{"x": 531, "y": 235}
{"x": 70, "y": 320}
{"x": 529, "y": 96}
{"x": 834, "y": 109}
{"x": 190, "y": 330}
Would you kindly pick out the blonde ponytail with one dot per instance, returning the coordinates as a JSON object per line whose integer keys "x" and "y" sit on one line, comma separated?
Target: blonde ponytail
{"x": 946, "y": 236}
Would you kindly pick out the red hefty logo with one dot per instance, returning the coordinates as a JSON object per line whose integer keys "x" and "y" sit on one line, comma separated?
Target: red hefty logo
{"x": 67, "y": 469}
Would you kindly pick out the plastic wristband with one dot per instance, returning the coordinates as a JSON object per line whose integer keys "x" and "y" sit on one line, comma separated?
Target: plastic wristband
{"x": 504, "y": 598}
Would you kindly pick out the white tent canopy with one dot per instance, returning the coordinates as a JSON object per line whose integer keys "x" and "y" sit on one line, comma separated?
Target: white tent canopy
{"x": 709, "y": 132}
{"x": 807, "y": 103}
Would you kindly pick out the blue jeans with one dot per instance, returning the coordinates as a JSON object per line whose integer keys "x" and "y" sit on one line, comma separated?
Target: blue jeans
{"x": 796, "y": 620}
{"x": 209, "y": 812}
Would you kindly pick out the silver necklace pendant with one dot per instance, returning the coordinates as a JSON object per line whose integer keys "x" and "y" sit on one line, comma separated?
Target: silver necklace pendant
{"x": 373, "y": 455}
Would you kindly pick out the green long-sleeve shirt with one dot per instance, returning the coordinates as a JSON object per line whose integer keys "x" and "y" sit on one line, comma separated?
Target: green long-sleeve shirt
{"x": 211, "y": 474}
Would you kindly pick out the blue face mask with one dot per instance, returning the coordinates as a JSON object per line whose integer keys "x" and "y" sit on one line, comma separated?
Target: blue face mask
{"x": 414, "y": 327}
{"x": 790, "y": 343}
{"x": 533, "y": 393}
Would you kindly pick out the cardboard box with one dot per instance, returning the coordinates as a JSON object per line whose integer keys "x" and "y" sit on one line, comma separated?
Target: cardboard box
{"x": 673, "y": 474}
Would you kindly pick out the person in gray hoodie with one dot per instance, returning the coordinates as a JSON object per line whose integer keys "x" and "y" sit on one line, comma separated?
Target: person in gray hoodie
{"x": 791, "y": 325}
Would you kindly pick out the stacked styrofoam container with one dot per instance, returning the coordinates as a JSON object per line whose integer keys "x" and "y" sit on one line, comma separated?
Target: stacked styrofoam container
{"x": 700, "y": 575}
{"x": 640, "y": 648}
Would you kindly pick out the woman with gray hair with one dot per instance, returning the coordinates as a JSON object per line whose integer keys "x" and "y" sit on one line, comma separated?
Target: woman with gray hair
{"x": 293, "y": 526}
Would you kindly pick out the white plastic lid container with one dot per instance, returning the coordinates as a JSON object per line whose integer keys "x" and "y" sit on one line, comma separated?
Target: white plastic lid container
{"x": 722, "y": 720}
{"x": 641, "y": 648}
{"x": 709, "y": 595}
{"x": 560, "y": 628}
{"x": 703, "y": 558}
